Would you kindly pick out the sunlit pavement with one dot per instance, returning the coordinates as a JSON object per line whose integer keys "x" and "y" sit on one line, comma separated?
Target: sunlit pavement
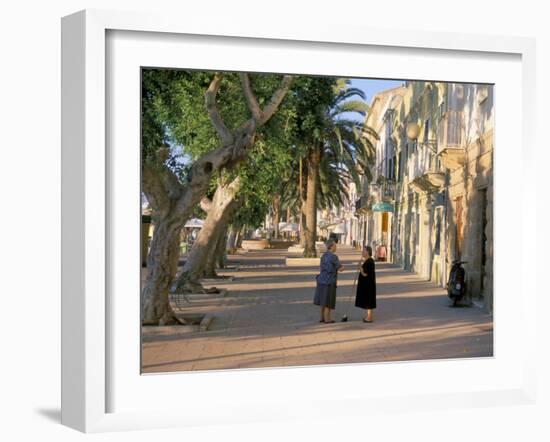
{"x": 268, "y": 320}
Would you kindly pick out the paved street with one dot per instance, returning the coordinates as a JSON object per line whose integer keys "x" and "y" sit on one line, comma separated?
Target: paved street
{"x": 268, "y": 320}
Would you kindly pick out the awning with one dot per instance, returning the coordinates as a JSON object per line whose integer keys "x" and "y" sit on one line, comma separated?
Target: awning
{"x": 382, "y": 207}
{"x": 290, "y": 227}
{"x": 340, "y": 228}
{"x": 194, "y": 223}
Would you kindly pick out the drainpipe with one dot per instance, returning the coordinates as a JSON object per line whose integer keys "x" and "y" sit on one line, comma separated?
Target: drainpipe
{"x": 445, "y": 224}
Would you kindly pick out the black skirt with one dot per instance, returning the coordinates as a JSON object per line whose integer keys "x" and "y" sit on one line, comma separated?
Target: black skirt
{"x": 366, "y": 287}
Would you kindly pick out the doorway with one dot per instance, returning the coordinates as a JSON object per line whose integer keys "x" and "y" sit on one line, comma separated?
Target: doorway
{"x": 458, "y": 225}
{"x": 483, "y": 240}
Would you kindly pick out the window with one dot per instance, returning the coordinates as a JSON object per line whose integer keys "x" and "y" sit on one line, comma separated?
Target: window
{"x": 441, "y": 110}
{"x": 459, "y": 91}
{"x": 437, "y": 242}
{"x": 426, "y": 130}
{"x": 483, "y": 93}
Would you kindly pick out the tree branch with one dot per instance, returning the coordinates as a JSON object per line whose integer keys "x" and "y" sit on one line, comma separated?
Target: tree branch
{"x": 251, "y": 101}
{"x": 234, "y": 143}
{"x": 215, "y": 118}
{"x": 206, "y": 204}
{"x": 171, "y": 184}
{"x": 276, "y": 99}
{"x": 262, "y": 116}
{"x": 154, "y": 190}
{"x": 234, "y": 186}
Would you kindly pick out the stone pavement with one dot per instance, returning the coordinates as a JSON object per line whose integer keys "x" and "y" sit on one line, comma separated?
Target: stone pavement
{"x": 268, "y": 320}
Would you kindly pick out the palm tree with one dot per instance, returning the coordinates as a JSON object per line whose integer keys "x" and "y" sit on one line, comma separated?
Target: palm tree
{"x": 340, "y": 154}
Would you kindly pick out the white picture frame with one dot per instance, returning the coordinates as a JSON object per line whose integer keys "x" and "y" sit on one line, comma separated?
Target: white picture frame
{"x": 87, "y": 356}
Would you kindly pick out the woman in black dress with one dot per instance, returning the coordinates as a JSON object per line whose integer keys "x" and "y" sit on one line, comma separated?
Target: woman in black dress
{"x": 366, "y": 285}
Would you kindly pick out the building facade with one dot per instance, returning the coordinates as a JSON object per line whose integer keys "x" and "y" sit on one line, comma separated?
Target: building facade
{"x": 375, "y": 225}
{"x": 429, "y": 199}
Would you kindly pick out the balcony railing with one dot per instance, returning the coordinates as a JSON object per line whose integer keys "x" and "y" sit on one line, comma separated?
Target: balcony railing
{"x": 452, "y": 140}
{"x": 424, "y": 169}
{"x": 361, "y": 203}
{"x": 387, "y": 191}
{"x": 450, "y": 131}
{"x": 422, "y": 161}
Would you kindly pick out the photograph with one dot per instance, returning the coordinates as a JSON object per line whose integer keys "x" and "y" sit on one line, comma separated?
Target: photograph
{"x": 292, "y": 220}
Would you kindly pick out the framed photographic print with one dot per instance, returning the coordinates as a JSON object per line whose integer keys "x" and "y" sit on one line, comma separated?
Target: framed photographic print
{"x": 249, "y": 213}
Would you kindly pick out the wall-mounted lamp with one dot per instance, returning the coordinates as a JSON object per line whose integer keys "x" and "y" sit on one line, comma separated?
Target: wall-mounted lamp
{"x": 413, "y": 130}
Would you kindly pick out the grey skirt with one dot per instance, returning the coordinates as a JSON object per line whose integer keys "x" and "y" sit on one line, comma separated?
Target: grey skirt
{"x": 325, "y": 295}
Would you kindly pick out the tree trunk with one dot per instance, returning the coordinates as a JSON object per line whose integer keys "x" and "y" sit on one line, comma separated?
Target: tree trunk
{"x": 302, "y": 224}
{"x": 231, "y": 239}
{"x": 164, "y": 249}
{"x": 239, "y": 236}
{"x": 219, "y": 251}
{"x": 302, "y": 202}
{"x": 216, "y": 255}
{"x": 172, "y": 205}
{"x": 313, "y": 159}
{"x": 211, "y": 257}
{"x": 276, "y": 215}
{"x": 223, "y": 204}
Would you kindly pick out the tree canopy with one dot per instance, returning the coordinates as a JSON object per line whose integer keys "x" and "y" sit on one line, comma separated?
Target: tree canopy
{"x": 313, "y": 113}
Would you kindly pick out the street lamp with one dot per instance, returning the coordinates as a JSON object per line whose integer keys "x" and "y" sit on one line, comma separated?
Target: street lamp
{"x": 413, "y": 130}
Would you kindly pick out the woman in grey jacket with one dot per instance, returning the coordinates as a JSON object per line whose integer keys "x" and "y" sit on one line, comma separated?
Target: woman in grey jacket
{"x": 325, "y": 292}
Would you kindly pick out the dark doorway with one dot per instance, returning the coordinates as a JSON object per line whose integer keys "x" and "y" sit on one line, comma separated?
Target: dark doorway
{"x": 483, "y": 239}
{"x": 458, "y": 224}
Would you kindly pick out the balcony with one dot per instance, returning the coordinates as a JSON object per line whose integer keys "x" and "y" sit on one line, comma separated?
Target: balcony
{"x": 362, "y": 204}
{"x": 381, "y": 192}
{"x": 386, "y": 192}
{"x": 424, "y": 170}
{"x": 451, "y": 140}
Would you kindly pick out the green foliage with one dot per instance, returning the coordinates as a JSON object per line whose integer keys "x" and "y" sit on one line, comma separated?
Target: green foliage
{"x": 310, "y": 98}
{"x": 174, "y": 113}
{"x": 345, "y": 150}
{"x": 268, "y": 164}
{"x": 312, "y": 114}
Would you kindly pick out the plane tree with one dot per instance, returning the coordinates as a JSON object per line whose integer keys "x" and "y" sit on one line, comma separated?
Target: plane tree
{"x": 176, "y": 176}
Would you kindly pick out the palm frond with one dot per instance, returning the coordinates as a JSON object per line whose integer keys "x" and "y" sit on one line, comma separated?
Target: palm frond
{"x": 356, "y": 106}
{"x": 348, "y": 93}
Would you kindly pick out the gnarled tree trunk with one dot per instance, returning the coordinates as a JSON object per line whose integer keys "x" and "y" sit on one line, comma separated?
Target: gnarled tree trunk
{"x": 215, "y": 257}
{"x": 211, "y": 262}
{"x": 219, "y": 211}
{"x": 313, "y": 159}
{"x": 220, "y": 252}
{"x": 164, "y": 249}
{"x": 172, "y": 201}
{"x": 163, "y": 190}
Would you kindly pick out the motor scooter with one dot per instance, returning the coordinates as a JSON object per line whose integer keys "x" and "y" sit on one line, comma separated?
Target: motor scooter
{"x": 456, "y": 285}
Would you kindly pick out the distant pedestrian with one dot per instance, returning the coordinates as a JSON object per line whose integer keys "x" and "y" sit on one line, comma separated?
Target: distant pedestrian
{"x": 366, "y": 285}
{"x": 325, "y": 292}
